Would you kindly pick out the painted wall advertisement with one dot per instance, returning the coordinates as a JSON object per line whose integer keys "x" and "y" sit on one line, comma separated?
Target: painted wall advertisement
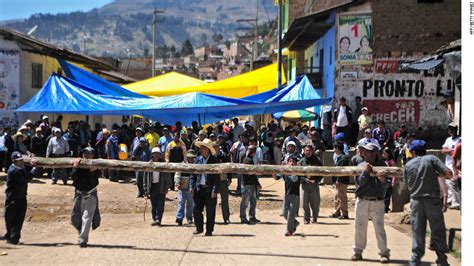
{"x": 355, "y": 39}
{"x": 9, "y": 86}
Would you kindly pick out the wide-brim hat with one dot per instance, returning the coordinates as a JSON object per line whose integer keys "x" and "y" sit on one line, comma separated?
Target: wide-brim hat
{"x": 208, "y": 144}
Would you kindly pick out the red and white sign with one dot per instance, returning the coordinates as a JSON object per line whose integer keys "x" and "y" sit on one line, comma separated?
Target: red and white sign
{"x": 394, "y": 111}
{"x": 386, "y": 66}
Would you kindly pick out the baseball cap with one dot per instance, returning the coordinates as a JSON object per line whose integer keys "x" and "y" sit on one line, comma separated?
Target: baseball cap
{"x": 155, "y": 150}
{"x": 340, "y": 136}
{"x": 368, "y": 130}
{"x": 183, "y": 132}
{"x": 202, "y": 132}
{"x": 56, "y": 130}
{"x": 88, "y": 149}
{"x": 417, "y": 145}
{"x": 191, "y": 153}
{"x": 370, "y": 146}
{"x": 250, "y": 123}
{"x": 139, "y": 129}
{"x": 142, "y": 139}
{"x": 364, "y": 109}
{"x": 16, "y": 156}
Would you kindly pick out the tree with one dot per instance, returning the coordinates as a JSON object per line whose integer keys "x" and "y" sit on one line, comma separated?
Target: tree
{"x": 187, "y": 48}
{"x": 217, "y": 37}
{"x": 204, "y": 39}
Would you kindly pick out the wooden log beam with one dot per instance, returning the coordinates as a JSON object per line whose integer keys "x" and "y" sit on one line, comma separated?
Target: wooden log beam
{"x": 222, "y": 168}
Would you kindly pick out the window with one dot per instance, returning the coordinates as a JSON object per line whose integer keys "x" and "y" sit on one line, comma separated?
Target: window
{"x": 36, "y": 75}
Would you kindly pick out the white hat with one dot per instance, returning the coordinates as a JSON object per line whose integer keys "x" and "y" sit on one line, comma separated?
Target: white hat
{"x": 290, "y": 143}
{"x": 56, "y": 130}
{"x": 250, "y": 123}
{"x": 23, "y": 127}
{"x": 208, "y": 144}
{"x": 155, "y": 150}
{"x": 44, "y": 117}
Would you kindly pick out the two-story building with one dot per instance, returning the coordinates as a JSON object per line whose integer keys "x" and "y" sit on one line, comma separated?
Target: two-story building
{"x": 361, "y": 48}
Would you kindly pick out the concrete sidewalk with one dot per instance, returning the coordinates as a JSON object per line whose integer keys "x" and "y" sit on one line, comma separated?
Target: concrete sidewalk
{"x": 127, "y": 239}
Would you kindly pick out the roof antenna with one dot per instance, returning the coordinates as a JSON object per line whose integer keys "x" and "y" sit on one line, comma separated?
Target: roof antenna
{"x": 30, "y": 32}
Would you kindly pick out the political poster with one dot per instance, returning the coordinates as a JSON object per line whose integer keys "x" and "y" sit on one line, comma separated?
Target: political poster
{"x": 9, "y": 86}
{"x": 355, "y": 37}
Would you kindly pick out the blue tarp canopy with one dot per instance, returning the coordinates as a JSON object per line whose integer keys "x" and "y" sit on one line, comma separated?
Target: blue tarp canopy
{"x": 65, "y": 96}
{"x": 100, "y": 85}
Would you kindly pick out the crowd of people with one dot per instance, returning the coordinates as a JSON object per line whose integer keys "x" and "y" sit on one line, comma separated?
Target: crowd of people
{"x": 238, "y": 142}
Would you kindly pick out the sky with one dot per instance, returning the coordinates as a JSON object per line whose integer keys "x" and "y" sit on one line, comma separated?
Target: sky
{"x": 21, "y": 9}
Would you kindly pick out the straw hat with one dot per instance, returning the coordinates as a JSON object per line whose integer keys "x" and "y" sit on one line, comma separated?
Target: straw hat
{"x": 18, "y": 134}
{"x": 208, "y": 144}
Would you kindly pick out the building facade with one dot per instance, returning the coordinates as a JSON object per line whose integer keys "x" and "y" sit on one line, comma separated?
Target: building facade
{"x": 361, "y": 48}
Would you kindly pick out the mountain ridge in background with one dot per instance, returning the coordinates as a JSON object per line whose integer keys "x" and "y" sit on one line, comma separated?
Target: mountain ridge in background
{"x": 124, "y": 27}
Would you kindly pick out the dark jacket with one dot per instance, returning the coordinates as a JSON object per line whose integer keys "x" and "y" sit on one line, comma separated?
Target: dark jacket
{"x": 348, "y": 114}
{"x": 292, "y": 184}
{"x": 370, "y": 186}
{"x": 343, "y": 160}
{"x": 249, "y": 180}
{"x": 165, "y": 183}
{"x": 212, "y": 180}
{"x": 312, "y": 161}
{"x": 84, "y": 179}
{"x": 38, "y": 146}
{"x": 17, "y": 182}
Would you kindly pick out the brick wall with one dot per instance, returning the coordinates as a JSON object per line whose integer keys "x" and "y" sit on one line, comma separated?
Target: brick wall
{"x": 410, "y": 28}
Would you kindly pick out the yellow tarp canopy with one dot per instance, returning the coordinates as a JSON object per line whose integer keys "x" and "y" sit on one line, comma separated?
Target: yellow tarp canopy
{"x": 253, "y": 82}
{"x": 167, "y": 82}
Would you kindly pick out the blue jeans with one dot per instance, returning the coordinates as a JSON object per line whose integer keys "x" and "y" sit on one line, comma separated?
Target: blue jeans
{"x": 185, "y": 202}
{"x": 422, "y": 210}
{"x": 139, "y": 176}
{"x": 249, "y": 194}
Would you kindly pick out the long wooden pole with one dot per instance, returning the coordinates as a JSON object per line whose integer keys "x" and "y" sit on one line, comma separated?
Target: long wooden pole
{"x": 222, "y": 168}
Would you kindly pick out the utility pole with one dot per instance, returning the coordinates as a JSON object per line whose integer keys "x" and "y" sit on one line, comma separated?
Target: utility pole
{"x": 155, "y": 21}
{"x": 252, "y": 22}
{"x": 280, "y": 44}
{"x": 255, "y": 46}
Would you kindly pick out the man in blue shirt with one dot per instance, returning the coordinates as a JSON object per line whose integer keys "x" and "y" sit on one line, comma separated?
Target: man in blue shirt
{"x": 165, "y": 140}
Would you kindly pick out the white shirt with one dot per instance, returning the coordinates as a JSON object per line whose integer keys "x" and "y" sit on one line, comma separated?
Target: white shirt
{"x": 204, "y": 176}
{"x": 156, "y": 177}
{"x": 302, "y": 137}
{"x": 237, "y": 131}
{"x": 450, "y": 143}
{"x": 342, "y": 117}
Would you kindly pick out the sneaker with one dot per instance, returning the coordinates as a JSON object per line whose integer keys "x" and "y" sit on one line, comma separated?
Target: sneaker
{"x": 83, "y": 245}
{"x": 13, "y": 242}
{"x": 314, "y": 221}
{"x": 53, "y": 182}
{"x": 197, "y": 232}
{"x": 384, "y": 259}
{"x": 356, "y": 257}
{"x": 343, "y": 217}
{"x": 289, "y": 233}
{"x": 306, "y": 221}
{"x": 226, "y": 222}
{"x": 244, "y": 221}
{"x": 252, "y": 222}
{"x": 179, "y": 222}
{"x": 334, "y": 215}
{"x": 190, "y": 221}
{"x": 208, "y": 233}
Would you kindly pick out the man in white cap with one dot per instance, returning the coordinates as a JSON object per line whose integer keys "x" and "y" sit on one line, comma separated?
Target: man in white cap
{"x": 58, "y": 147}
{"x": 156, "y": 186}
{"x": 454, "y": 197}
{"x": 370, "y": 194}
{"x": 204, "y": 188}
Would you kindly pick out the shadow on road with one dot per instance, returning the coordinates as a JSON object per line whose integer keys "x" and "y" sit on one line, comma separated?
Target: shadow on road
{"x": 213, "y": 252}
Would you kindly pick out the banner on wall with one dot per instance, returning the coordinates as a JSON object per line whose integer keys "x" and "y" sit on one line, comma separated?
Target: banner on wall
{"x": 9, "y": 86}
{"x": 355, "y": 39}
{"x": 394, "y": 111}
